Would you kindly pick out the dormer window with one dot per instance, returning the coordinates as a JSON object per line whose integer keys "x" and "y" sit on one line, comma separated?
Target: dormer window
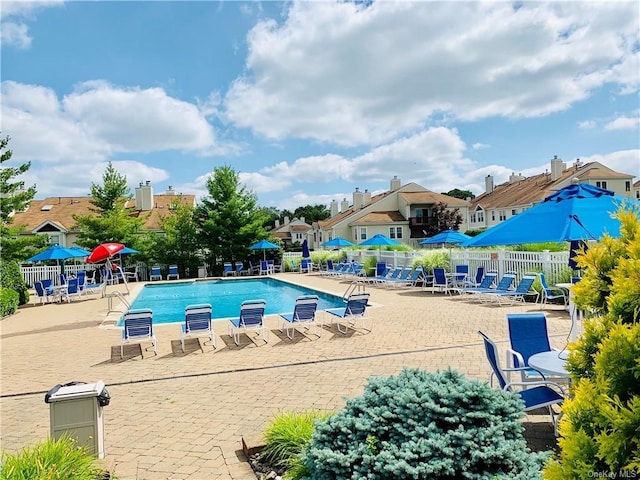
{"x": 46, "y": 208}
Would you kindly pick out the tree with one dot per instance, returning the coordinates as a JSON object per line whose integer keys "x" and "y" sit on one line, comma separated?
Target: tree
{"x": 271, "y": 214}
{"x": 14, "y": 197}
{"x": 601, "y": 419}
{"x": 312, "y": 213}
{"x": 111, "y": 192}
{"x": 113, "y": 222}
{"x": 228, "y": 218}
{"x": 462, "y": 194}
{"x": 180, "y": 243}
{"x": 445, "y": 219}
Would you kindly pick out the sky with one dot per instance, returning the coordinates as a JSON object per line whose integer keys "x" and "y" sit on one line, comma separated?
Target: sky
{"x": 309, "y": 100}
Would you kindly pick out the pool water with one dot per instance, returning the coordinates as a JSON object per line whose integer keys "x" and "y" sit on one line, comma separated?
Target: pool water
{"x": 168, "y": 300}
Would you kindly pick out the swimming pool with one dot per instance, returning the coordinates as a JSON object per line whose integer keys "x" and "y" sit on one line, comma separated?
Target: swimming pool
{"x": 168, "y": 300}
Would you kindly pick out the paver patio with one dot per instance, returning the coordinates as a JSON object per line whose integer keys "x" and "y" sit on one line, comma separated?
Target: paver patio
{"x": 182, "y": 415}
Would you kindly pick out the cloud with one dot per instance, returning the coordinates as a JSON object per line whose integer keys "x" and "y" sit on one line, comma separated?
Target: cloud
{"x": 331, "y": 71}
{"x": 22, "y": 8}
{"x": 623, "y": 123}
{"x": 623, "y": 161}
{"x": 97, "y": 120}
{"x": 15, "y": 35}
{"x": 586, "y": 124}
{"x": 480, "y": 146}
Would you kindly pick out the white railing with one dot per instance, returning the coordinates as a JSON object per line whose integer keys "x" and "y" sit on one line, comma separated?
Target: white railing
{"x": 39, "y": 273}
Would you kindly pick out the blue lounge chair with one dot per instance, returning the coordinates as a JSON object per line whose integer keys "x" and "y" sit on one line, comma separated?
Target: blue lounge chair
{"x": 523, "y": 289}
{"x": 504, "y": 285}
{"x": 227, "y": 269}
{"x": 486, "y": 283}
{"x": 251, "y": 319}
{"x": 537, "y": 394}
{"x": 354, "y": 312}
{"x": 138, "y": 328}
{"x": 400, "y": 279}
{"x": 240, "y": 270}
{"x": 44, "y": 295}
{"x": 173, "y": 273}
{"x": 156, "y": 273}
{"x": 304, "y": 314}
{"x": 197, "y": 323}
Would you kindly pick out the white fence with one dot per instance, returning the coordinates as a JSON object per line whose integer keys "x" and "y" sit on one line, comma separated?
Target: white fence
{"x": 553, "y": 264}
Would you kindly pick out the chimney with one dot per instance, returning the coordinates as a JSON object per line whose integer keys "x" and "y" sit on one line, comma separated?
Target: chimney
{"x": 358, "y": 199}
{"x": 170, "y": 191}
{"x": 344, "y": 205}
{"x": 277, "y": 223}
{"x": 302, "y": 219}
{"x": 513, "y": 178}
{"x": 395, "y": 183}
{"x": 488, "y": 183}
{"x": 557, "y": 167}
{"x": 144, "y": 197}
{"x": 367, "y": 197}
{"x": 334, "y": 207}
{"x": 286, "y": 221}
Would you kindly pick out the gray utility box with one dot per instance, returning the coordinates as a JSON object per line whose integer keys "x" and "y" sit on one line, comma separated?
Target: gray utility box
{"x": 202, "y": 271}
{"x": 76, "y": 411}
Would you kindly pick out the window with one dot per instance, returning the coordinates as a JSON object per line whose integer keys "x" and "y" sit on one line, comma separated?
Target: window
{"x": 493, "y": 215}
{"x": 480, "y": 215}
{"x": 395, "y": 232}
{"x": 472, "y": 218}
{"x": 363, "y": 233}
{"x": 54, "y": 239}
{"x": 298, "y": 236}
{"x": 602, "y": 185}
{"x": 503, "y": 216}
{"x": 514, "y": 212}
{"x": 627, "y": 186}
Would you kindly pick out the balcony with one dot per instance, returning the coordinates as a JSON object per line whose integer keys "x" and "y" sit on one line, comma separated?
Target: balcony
{"x": 418, "y": 222}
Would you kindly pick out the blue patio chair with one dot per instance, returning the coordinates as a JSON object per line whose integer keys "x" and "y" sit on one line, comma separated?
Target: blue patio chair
{"x": 138, "y": 328}
{"x": 441, "y": 281}
{"x": 504, "y": 285}
{"x": 523, "y": 289}
{"x": 354, "y": 312}
{"x": 240, "y": 270}
{"x": 528, "y": 335}
{"x": 537, "y": 394}
{"x": 251, "y": 319}
{"x": 379, "y": 277}
{"x": 197, "y": 323}
{"x": 461, "y": 277}
{"x": 381, "y": 269}
{"x": 253, "y": 269}
{"x": 173, "y": 273}
{"x": 156, "y": 273}
{"x": 44, "y": 295}
{"x": 475, "y": 281}
{"x": 550, "y": 294}
{"x": 304, "y": 314}
{"x": 306, "y": 265}
{"x": 227, "y": 269}
{"x": 72, "y": 290}
{"x": 264, "y": 268}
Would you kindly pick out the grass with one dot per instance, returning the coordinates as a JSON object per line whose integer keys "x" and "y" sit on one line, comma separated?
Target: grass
{"x": 51, "y": 459}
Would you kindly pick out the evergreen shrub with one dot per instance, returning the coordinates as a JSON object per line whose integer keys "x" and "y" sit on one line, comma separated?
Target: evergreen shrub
{"x": 420, "y": 425}
{"x": 11, "y": 277}
{"x": 433, "y": 259}
{"x": 8, "y": 301}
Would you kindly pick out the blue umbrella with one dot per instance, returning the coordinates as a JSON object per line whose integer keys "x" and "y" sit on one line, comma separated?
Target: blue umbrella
{"x": 264, "y": 245}
{"x": 338, "y": 242}
{"x": 56, "y": 252}
{"x": 577, "y": 212}
{"x": 127, "y": 250}
{"x": 379, "y": 240}
{"x": 305, "y": 249}
{"x": 446, "y": 236}
{"x": 80, "y": 251}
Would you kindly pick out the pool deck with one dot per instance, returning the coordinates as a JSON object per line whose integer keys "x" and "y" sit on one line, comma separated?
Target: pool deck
{"x": 182, "y": 415}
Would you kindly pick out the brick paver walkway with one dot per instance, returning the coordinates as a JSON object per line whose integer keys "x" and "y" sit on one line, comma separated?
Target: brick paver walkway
{"x": 182, "y": 415}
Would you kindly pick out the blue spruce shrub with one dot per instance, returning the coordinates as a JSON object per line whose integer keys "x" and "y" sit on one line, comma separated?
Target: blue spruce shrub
{"x": 420, "y": 425}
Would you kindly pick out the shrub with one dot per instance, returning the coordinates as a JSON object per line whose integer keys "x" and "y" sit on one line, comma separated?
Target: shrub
{"x": 11, "y": 277}
{"x": 9, "y": 301}
{"x": 420, "y": 425}
{"x": 51, "y": 459}
{"x": 433, "y": 259}
{"x": 286, "y": 435}
{"x": 601, "y": 419}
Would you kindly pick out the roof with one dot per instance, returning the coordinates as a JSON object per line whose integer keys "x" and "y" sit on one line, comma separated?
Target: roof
{"x": 381, "y": 217}
{"x": 62, "y": 209}
{"x": 534, "y": 189}
{"x": 432, "y": 197}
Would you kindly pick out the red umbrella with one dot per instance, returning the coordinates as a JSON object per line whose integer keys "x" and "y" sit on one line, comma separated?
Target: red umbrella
{"x": 104, "y": 251}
